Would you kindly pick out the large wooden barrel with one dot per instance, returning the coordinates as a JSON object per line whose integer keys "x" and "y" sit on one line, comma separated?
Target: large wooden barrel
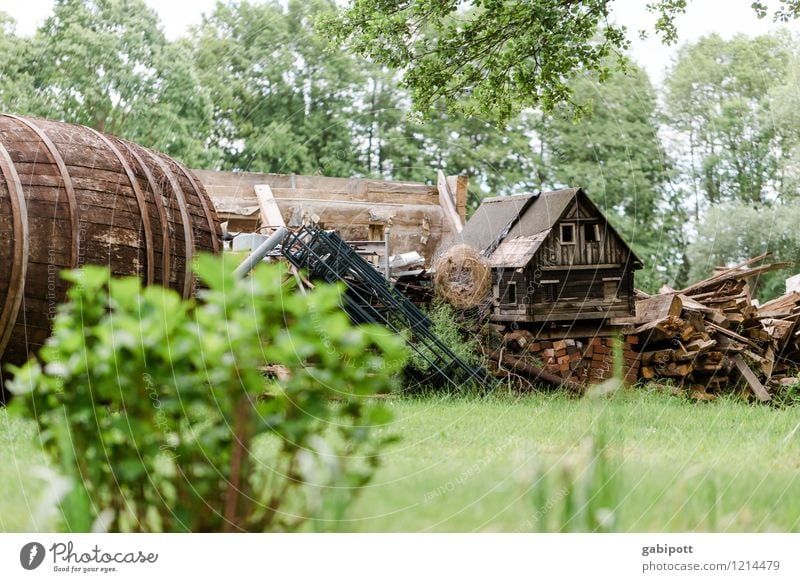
{"x": 71, "y": 196}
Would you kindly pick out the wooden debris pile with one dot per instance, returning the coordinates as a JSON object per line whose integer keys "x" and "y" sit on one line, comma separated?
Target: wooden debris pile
{"x": 571, "y": 363}
{"x": 711, "y": 336}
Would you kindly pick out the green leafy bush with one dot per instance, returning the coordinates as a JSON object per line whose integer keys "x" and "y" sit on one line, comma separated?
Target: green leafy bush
{"x": 154, "y": 405}
{"x": 444, "y": 324}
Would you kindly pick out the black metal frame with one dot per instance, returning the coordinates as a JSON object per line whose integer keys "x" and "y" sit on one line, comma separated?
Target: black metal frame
{"x": 370, "y": 298}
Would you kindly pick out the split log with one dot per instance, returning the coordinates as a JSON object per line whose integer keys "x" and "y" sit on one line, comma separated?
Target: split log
{"x": 699, "y": 333}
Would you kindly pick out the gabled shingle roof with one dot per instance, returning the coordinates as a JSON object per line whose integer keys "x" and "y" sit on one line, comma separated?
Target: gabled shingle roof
{"x": 544, "y": 213}
{"x": 525, "y": 214}
{"x": 517, "y": 252}
{"x": 491, "y": 218}
{"x": 510, "y": 229}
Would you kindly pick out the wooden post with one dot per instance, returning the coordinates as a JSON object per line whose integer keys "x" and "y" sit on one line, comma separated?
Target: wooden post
{"x": 447, "y": 201}
{"x": 386, "y": 251}
{"x": 268, "y": 207}
{"x": 459, "y": 185}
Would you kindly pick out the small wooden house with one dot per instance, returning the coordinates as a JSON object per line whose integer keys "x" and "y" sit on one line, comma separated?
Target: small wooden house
{"x": 554, "y": 259}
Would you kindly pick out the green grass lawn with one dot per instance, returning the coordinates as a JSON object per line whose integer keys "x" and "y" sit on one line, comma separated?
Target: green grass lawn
{"x": 23, "y": 502}
{"x": 518, "y": 464}
{"x": 470, "y": 465}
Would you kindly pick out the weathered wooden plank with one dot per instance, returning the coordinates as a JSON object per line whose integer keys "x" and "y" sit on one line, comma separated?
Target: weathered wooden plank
{"x": 658, "y": 307}
{"x": 268, "y": 206}
{"x": 752, "y": 381}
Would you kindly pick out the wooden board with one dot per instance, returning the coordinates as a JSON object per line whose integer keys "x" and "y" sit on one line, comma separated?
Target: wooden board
{"x": 752, "y": 381}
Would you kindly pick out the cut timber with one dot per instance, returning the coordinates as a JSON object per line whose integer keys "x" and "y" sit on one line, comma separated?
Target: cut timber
{"x": 448, "y": 203}
{"x": 658, "y": 307}
{"x": 731, "y": 334}
{"x": 268, "y": 207}
{"x": 657, "y": 356}
{"x": 660, "y": 329}
{"x": 459, "y": 185}
{"x": 755, "y": 385}
{"x": 675, "y": 370}
{"x": 690, "y": 304}
{"x": 721, "y": 322}
{"x": 721, "y": 276}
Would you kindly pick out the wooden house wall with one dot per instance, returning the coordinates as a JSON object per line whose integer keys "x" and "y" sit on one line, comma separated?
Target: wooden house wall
{"x": 609, "y": 250}
{"x": 563, "y": 294}
{"x": 515, "y": 307}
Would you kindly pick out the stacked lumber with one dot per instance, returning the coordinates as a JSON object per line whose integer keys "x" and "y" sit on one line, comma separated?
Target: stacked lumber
{"x": 564, "y": 362}
{"x": 711, "y": 336}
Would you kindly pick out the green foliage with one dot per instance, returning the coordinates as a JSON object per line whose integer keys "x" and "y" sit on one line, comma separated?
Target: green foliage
{"x": 445, "y": 325}
{"x": 490, "y": 56}
{"x": 108, "y": 65}
{"x": 582, "y": 494}
{"x": 788, "y": 396}
{"x": 720, "y": 97}
{"x": 17, "y": 87}
{"x": 498, "y": 57}
{"x": 283, "y": 101}
{"x": 668, "y": 10}
{"x": 723, "y": 466}
{"x": 153, "y": 405}
{"x": 256, "y": 86}
{"x": 615, "y": 153}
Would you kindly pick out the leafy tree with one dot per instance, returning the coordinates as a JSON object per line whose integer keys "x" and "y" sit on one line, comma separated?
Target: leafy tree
{"x": 491, "y": 57}
{"x": 107, "y": 64}
{"x": 785, "y": 116}
{"x": 499, "y": 160}
{"x": 497, "y": 56}
{"x": 719, "y": 97}
{"x": 283, "y": 101}
{"x": 732, "y": 232}
{"x": 17, "y": 89}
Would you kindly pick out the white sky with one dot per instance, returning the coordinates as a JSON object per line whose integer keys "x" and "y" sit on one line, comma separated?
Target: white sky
{"x": 726, "y": 17}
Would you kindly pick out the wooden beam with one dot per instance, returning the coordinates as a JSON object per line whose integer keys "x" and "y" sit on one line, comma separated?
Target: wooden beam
{"x": 268, "y": 207}
{"x": 534, "y": 373}
{"x": 658, "y": 307}
{"x": 752, "y": 381}
{"x": 447, "y": 202}
{"x": 460, "y": 186}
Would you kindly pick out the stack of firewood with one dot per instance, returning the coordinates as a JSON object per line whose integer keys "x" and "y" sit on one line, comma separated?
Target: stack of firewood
{"x": 569, "y": 363}
{"x": 712, "y": 337}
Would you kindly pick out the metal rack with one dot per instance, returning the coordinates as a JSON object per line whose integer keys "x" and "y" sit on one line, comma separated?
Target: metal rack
{"x": 370, "y": 298}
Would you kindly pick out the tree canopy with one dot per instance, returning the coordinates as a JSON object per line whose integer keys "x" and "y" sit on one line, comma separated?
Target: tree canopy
{"x": 499, "y": 56}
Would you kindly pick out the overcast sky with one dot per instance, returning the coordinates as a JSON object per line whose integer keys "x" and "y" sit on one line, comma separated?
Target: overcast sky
{"x": 726, "y": 17}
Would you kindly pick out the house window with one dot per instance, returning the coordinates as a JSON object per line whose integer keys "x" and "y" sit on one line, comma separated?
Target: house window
{"x": 511, "y": 293}
{"x": 550, "y": 290}
{"x": 611, "y": 287}
{"x": 567, "y": 233}
{"x": 591, "y": 232}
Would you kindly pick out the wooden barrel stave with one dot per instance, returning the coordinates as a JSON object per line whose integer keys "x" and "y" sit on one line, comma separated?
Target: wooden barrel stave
{"x": 87, "y": 198}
